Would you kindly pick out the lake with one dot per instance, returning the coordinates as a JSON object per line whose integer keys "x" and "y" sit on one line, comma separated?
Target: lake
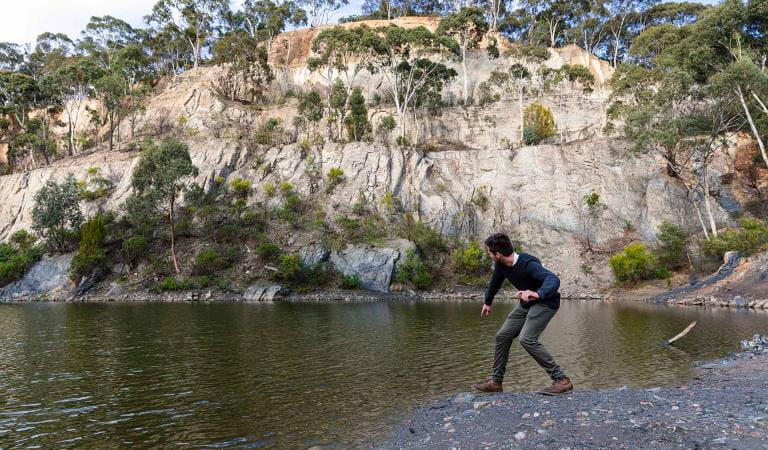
{"x": 298, "y": 375}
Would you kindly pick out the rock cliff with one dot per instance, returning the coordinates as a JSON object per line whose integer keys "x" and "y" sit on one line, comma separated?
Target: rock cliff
{"x": 471, "y": 182}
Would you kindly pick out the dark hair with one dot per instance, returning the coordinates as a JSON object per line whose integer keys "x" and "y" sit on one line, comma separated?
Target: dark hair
{"x": 500, "y": 243}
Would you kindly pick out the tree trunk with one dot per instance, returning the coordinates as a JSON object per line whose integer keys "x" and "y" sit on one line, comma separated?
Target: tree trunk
{"x": 522, "y": 121}
{"x": 173, "y": 239}
{"x": 466, "y": 78}
{"x": 111, "y": 130}
{"x": 707, "y": 203}
{"x": 71, "y": 136}
{"x": 755, "y": 133}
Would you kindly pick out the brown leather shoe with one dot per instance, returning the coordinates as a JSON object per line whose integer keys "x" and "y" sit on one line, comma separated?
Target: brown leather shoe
{"x": 488, "y": 386}
{"x": 559, "y": 387}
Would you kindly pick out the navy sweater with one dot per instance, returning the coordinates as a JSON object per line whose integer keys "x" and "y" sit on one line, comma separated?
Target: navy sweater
{"x": 526, "y": 274}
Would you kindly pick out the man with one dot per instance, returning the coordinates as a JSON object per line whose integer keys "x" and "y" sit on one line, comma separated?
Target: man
{"x": 539, "y": 301}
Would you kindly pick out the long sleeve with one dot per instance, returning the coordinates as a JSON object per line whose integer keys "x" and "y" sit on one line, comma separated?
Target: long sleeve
{"x": 550, "y": 283}
{"x": 493, "y": 287}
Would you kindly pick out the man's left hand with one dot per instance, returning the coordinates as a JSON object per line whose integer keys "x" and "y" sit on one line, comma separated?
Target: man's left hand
{"x": 527, "y": 296}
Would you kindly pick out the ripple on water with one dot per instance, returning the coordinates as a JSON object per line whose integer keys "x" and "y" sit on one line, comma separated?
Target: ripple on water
{"x": 219, "y": 375}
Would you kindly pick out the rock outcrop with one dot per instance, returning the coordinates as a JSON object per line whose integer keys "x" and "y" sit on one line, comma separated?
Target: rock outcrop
{"x": 471, "y": 182}
{"x": 50, "y": 277}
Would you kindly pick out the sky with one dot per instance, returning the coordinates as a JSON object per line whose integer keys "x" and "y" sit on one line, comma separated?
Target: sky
{"x": 22, "y": 21}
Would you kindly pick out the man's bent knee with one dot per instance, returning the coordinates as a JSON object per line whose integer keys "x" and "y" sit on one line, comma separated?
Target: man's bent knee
{"x": 528, "y": 342}
{"x": 503, "y": 338}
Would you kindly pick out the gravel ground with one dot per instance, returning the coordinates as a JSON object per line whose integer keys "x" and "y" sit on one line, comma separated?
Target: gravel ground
{"x": 725, "y": 405}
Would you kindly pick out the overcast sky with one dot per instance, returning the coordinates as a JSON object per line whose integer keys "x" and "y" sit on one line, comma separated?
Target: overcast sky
{"x": 22, "y": 21}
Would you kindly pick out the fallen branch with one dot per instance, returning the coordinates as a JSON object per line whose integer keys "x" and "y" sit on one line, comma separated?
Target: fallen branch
{"x": 681, "y": 334}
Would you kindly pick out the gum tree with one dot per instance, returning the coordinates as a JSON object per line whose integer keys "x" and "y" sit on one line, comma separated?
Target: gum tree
{"x": 467, "y": 28}
{"x": 159, "y": 179}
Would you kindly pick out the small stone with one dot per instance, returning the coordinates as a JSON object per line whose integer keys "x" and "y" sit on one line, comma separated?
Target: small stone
{"x": 526, "y": 416}
{"x": 467, "y": 414}
{"x": 464, "y": 397}
{"x": 548, "y": 423}
{"x": 520, "y": 435}
{"x": 480, "y": 405}
{"x": 536, "y": 414}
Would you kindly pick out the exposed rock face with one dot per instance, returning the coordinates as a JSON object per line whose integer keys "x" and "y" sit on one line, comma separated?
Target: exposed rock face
{"x": 50, "y": 275}
{"x": 314, "y": 254}
{"x": 261, "y": 293}
{"x": 375, "y": 266}
{"x": 739, "y": 283}
{"x": 472, "y": 184}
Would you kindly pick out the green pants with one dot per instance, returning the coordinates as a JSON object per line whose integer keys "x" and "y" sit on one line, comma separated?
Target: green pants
{"x": 528, "y": 324}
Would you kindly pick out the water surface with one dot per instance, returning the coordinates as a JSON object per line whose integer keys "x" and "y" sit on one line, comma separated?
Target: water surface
{"x": 289, "y": 375}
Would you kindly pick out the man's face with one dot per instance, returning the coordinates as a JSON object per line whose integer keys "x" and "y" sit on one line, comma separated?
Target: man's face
{"x": 492, "y": 255}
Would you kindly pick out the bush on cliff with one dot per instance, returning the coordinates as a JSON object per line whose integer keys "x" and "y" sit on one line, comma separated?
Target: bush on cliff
{"x": 750, "y": 238}
{"x": 673, "y": 241}
{"x": 92, "y": 253}
{"x": 413, "y": 269}
{"x": 18, "y": 256}
{"x": 539, "y": 124}
{"x": 636, "y": 263}
{"x": 56, "y": 214}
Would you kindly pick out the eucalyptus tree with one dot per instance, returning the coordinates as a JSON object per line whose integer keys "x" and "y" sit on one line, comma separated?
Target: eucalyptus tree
{"x": 265, "y": 19}
{"x": 343, "y": 52}
{"x": 194, "y": 20}
{"x": 74, "y": 84}
{"x": 401, "y": 56}
{"x": 248, "y": 69}
{"x": 467, "y": 27}
{"x": 320, "y": 11}
{"x": 159, "y": 179}
{"x": 105, "y": 36}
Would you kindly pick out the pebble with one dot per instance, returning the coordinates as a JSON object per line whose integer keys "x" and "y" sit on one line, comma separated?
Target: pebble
{"x": 480, "y": 405}
{"x": 548, "y": 423}
{"x": 464, "y": 397}
{"x": 527, "y": 416}
{"x": 467, "y": 414}
{"x": 536, "y": 414}
{"x": 520, "y": 435}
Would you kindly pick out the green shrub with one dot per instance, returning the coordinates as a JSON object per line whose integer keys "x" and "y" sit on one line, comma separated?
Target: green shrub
{"x": 751, "y": 238}
{"x": 350, "y": 281}
{"x": 92, "y": 253}
{"x": 335, "y": 177}
{"x": 241, "y": 187}
{"x": 413, "y": 269}
{"x": 211, "y": 261}
{"x": 673, "y": 241}
{"x": 134, "y": 248}
{"x": 290, "y": 268}
{"x": 387, "y": 124}
{"x": 18, "y": 257}
{"x": 316, "y": 275}
{"x": 429, "y": 242}
{"x": 172, "y": 284}
{"x": 636, "y": 263}
{"x": 470, "y": 259}
{"x": 268, "y": 250}
{"x": 358, "y": 126}
{"x": 269, "y": 190}
{"x": 540, "y": 120}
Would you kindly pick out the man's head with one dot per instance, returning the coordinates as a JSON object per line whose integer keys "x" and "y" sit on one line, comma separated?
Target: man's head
{"x": 499, "y": 246}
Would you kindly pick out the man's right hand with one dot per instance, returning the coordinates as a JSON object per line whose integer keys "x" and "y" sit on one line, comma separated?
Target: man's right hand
{"x": 486, "y": 311}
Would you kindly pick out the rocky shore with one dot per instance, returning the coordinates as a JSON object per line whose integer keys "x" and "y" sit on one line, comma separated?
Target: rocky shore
{"x": 738, "y": 283}
{"x": 725, "y": 405}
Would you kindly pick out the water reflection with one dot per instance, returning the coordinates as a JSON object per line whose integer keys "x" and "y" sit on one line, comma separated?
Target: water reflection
{"x": 300, "y": 375}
